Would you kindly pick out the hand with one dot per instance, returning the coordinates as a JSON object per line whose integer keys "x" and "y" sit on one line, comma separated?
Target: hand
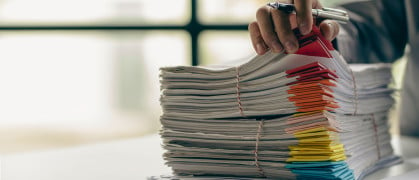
{"x": 273, "y": 28}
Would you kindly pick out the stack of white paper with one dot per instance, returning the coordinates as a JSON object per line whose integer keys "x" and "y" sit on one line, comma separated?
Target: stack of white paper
{"x": 303, "y": 115}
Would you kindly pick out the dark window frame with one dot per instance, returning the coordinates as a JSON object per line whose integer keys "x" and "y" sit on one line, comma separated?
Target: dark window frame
{"x": 194, "y": 28}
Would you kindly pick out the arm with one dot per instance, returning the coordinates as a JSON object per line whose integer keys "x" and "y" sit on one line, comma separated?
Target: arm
{"x": 377, "y": 31}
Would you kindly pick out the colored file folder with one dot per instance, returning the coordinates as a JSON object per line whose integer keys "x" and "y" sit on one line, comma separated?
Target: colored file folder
{"x": 306, "y": 115}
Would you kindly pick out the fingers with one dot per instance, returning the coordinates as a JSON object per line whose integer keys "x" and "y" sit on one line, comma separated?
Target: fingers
{"x": 273, "y": 28}
{"x": 304, "y": 16}
{"x": 266, "y": 27}
{"x": 329, "y": 29}
{"x": 257, "y": 40}
{"x": 284, "y": 31}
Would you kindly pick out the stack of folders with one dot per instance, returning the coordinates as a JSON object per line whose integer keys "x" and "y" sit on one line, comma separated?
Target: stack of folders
{"x": 304, "y": 115}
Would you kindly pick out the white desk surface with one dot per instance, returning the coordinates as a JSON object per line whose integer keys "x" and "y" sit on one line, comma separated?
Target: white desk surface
{"x": 138, "y": 158}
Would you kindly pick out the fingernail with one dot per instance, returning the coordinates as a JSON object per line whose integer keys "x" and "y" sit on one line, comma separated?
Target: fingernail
{"x": 291, "y": 47}
{"x": 304, "y": 29}
{"x": 276, "y": 47}
{"x": 330, "y": 34}
{"x": 260, "y": 48}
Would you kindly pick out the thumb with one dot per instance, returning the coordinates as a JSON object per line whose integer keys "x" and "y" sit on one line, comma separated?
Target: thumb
{"x": 329, "y": 29}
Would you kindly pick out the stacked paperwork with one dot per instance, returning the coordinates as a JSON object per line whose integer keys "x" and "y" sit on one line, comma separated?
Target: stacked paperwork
{"x": 303, "y": 115}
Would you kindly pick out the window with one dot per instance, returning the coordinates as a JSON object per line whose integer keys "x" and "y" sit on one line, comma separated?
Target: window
{"x": 81, "y": 71}
{"x": 78, "y": 71}
{"x": 93, "y": 12}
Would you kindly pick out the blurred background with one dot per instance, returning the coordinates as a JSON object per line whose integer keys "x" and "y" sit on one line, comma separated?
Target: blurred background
{"x": 85, "y": 71}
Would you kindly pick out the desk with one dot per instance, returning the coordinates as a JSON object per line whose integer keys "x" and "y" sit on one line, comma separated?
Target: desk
{"x": 136, "y": 159}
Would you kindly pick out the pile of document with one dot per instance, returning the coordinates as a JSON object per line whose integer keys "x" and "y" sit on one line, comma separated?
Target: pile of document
{"x": 303, "y": 115}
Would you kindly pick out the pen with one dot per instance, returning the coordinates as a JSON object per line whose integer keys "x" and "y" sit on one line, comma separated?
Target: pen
{"x": 325, "y": 13}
